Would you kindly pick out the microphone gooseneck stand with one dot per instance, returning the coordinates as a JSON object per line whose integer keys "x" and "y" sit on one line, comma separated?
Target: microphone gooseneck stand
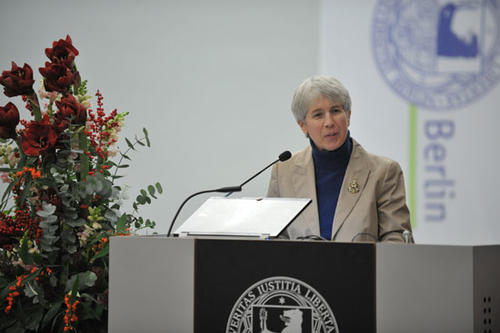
{"x": 229, "y": 189}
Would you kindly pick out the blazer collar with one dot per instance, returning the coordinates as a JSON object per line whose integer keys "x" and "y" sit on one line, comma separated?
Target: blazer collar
{"x": 304, "y": 186}
{"x": 355, "y": 179}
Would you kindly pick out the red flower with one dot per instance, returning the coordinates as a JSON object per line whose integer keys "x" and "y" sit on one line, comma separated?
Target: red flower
{"x": 38, "y": 137}
{"x": 17, "y": 81}
{"x": 57, "y": 77}
{"x": 69, "y": 108}
{"x": 9, "y": 118}
{"x": 62, "y": 52}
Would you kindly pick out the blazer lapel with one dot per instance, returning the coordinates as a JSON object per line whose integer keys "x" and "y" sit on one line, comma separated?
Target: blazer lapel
{"x": 305, "y": 187}
{"x": 353, "y": 185}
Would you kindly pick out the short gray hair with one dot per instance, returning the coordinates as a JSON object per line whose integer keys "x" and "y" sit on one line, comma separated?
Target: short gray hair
{"x": 317, "y": 86}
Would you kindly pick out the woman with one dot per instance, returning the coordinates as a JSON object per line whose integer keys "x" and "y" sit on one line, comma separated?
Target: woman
{"x": 356, "y": 196}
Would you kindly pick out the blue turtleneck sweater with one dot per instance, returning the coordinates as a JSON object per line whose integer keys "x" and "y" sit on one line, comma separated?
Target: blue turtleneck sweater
{"x": 329, "y": 171}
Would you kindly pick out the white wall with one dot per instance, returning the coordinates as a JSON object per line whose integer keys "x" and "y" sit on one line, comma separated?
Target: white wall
{"x": 211, "y": 80}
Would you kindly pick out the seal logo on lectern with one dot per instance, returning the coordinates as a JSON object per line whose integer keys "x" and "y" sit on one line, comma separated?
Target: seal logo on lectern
{"x": 438, "y": 54}
{"x": 281, "y": 304}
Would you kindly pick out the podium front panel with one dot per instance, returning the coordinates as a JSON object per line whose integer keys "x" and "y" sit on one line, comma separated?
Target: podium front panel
{"x": 151, "y": 287}
{"x": 248, "y": 286}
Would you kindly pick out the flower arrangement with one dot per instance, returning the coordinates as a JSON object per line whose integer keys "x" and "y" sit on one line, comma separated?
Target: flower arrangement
{"x": 61, "y": 204}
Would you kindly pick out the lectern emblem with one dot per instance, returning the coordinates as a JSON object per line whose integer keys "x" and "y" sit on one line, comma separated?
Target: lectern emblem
{"x": 281, "y": 304}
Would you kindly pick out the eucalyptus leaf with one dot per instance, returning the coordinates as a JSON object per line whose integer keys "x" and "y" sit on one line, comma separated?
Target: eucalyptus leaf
{"x": 121, "y": 224}
{"x": 89, "y": 189}
{"x": 47, "y": 247}
{"x": 110, "y": 215}
{"x": 47, "y": 210}
{"x": 76, "y": 223}
{"x": 140, "y": 199}
{"x": 34, "y": 318}
{"x": 99, "y": 186}
{"x": 146, "y": 136}
{"x": 53, "y": 309}
{"x": 68, "y": 235}
{"x": 151, "y": 190}
{"x": 129, "y": 144}
{"x": 51, "y": 219}
{"x": 71, "y": 249}
{"x": 50, "y": 238}
{"x": 89, "y": 313}
{"x": 86, "y": 279}
{"x": 70, "y": 209}
{"x": 88, "y": 296}
{"x": 71, "y": 215}
{"x": 125, "y": 157}
{"x": 16, "y": 328}
{"x": 48, "y": 227}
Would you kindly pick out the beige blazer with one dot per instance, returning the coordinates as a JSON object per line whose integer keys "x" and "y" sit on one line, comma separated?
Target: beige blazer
{"x": 371, "y": 205}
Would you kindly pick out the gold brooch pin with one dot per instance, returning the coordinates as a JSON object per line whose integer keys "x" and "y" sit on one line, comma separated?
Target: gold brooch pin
{"x": 353, "y": 186}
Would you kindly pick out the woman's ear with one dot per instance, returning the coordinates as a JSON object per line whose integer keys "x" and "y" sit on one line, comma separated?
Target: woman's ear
{"x": 303, "y": 127}
{"x": 348, "y": 118}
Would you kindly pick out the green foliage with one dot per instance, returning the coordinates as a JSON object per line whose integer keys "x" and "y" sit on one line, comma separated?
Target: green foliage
{"x": 57, "y": 215}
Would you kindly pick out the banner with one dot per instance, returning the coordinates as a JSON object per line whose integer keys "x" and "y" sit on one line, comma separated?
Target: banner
{"x": 424, "y": 75}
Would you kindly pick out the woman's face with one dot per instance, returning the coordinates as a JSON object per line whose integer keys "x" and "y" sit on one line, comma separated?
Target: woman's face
{"x": 326, "y": 123}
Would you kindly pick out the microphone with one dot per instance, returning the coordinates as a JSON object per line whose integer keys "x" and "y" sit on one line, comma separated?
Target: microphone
{"x": 408, "y": 237}
{"x": 285, "y": 156}
{"x": 229, "y": 189}
{"x": 281, "y": 158}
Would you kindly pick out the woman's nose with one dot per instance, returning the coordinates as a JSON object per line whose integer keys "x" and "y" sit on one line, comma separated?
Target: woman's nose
{"x": 329, "y": 121}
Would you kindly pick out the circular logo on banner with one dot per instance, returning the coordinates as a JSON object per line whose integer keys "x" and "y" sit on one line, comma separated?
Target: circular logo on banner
{"x": 438, "y": 54}
{"x": 281, "y": 304}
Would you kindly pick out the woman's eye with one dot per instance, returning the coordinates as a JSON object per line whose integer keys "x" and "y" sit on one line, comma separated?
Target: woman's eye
{"x": 317, "y": 115}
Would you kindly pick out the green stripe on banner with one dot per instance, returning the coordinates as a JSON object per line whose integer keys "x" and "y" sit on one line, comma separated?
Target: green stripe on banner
{"x": 412, "y": 182}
